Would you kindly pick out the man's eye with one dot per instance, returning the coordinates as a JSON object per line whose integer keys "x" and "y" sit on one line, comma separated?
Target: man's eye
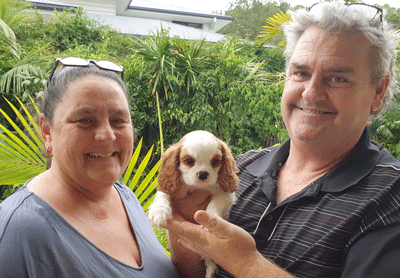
{"x": 338, "y": 79}
{"x": 301, "y": 74}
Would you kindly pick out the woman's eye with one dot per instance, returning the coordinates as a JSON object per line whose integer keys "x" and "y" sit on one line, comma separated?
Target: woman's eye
{"x": 85, "y": 121}
{"x": 117, "y": 122}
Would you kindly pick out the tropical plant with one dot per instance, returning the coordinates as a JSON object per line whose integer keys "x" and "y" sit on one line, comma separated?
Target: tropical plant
{"x": 189, "y": 60}
{"x": 273, "y": 28}
{"x": 250, "y": 15}
{"x": 8, "y": 41}
{"x": 386, "y": 129}
{"x": 21, "y": 150}
{"x": 14, "y": 12}
{"x": 156, "y": 50}
{"x": 28, "y": 72}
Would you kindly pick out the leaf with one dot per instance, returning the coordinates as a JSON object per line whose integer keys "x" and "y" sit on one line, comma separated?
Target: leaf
{"x": 20, "y": 157}
{"x": 273, "y": 27}
{"x": 8, "y": 41}
{"x": 132, "y": 163}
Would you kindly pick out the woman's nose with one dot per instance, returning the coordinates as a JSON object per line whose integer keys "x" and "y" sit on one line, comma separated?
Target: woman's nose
{"x": 105, "y": 132}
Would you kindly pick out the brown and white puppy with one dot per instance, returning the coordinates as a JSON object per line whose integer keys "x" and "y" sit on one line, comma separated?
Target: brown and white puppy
{"x": 199, "y": 161}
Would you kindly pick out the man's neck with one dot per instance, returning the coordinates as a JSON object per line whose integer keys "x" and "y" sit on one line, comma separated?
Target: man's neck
{"x": 305, "y": 165}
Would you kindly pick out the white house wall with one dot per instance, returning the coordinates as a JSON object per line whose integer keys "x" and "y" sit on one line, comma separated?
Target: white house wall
{"x": 98, "y": 7}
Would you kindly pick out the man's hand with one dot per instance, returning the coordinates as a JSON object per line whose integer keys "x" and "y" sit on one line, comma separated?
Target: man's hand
{"x": 228, "y": 245}
{"x": 185, "y": 204}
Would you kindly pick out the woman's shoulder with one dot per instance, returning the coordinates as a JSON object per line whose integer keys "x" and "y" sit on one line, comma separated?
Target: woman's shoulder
{"x": 22, "y": 215}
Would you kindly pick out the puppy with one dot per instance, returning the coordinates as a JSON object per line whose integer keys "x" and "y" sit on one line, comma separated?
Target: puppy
{"x": 199, "y": 161}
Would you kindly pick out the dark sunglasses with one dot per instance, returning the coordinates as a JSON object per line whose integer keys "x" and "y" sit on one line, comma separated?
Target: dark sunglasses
{"x": 368, "y": 11}
{"x": 79, "y": 62}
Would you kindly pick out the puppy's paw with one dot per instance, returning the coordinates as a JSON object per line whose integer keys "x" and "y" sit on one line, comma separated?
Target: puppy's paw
{"x": 159, "y": 215}
{"x": 211, "y": 268}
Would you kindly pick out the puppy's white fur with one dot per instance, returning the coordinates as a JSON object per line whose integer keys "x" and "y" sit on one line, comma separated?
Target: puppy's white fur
{"x": 198, "y": 161}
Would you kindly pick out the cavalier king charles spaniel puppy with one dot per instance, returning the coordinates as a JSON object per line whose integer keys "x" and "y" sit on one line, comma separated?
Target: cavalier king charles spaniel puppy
{"x": 199, "y": 161}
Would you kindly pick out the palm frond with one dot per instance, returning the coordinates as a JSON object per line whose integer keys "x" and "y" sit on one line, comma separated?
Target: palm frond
{"x": 15, "y": 77}
{"x": 131, "y": 178}
{"x": 21, "y": 156}
{"x": 8, "y": 42}
{"x": 274, "y": 26}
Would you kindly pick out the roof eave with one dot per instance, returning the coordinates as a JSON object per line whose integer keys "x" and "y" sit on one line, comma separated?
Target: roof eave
{"x": 48, "y": 6}
{"x": 146, "y": 9}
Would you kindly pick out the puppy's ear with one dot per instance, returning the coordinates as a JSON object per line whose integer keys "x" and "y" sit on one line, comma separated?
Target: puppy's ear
{"x": 169, "y": 175}
{"x": 227, "y": 178}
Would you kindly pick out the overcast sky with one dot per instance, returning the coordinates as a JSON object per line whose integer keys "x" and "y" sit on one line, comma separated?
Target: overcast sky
{"x": 212, "y": 5}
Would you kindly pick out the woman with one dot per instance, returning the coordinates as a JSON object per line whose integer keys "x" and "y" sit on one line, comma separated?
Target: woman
{"x": 76, "y": 219}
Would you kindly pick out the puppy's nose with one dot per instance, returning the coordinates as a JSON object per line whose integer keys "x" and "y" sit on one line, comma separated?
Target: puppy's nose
{"x": 203, "y": 175}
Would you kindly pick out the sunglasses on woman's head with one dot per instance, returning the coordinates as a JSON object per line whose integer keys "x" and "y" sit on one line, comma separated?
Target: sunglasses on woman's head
{"x": 79, "y": 62}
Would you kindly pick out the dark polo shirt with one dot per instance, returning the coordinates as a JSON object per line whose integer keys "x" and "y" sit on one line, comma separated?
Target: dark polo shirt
{"x": 345, "y": 224}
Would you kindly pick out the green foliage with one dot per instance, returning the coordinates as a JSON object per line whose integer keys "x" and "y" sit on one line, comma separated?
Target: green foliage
{"x": 8, "y": 42}
{"x": 250, "y": 15}
{"x": 273, "y": 28}
{"x": 14, "y": 12}
{"x": 205, "y": 91}
{"x": 71, "y": 28}
{"x": 386, "y": 129}
{"x": 21, "y": 150}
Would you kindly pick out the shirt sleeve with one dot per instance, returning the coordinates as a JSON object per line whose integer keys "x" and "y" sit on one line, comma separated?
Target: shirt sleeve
{"x": 374, "y": 255}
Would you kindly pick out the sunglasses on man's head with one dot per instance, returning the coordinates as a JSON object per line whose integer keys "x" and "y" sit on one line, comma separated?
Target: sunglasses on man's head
{"x": 79, "y": 62}
{"x": 369, "y": 11}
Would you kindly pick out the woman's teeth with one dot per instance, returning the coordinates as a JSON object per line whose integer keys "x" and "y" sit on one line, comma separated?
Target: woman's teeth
{"x": 102, "y": 154}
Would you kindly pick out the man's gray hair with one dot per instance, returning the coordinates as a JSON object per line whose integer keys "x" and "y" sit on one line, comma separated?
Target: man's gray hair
{"x": 337, "y": 17}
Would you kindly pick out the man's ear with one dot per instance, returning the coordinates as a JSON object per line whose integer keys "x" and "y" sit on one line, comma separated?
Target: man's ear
{"x": 45, "y": 130}
{"x": 380, "y": 91}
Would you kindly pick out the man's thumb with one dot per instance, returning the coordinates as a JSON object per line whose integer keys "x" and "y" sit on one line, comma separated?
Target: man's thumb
{"x": 211, "y": 222}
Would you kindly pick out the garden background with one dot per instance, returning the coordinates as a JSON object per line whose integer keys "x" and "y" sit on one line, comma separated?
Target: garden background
{"x": 231, "y": 88}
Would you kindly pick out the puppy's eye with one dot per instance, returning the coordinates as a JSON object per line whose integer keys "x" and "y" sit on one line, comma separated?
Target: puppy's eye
{"x": 215, "y": 162}
{"x": 189, "y": 161}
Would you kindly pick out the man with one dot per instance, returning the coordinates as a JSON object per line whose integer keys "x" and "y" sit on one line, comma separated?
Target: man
{"x": 325, "y": 203}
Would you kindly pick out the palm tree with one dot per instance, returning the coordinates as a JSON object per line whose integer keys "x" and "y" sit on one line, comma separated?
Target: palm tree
{"x": 156, "y": 51}
{"x": 14, "y": 69}
{"x": 273, "y": 28}
{"x": 8, "y": 42}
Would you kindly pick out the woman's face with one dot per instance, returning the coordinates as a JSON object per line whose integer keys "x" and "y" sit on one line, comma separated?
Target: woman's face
{"x": 91, "y": 136}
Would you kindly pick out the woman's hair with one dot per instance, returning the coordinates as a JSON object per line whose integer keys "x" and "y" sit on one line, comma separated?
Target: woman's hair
{"x": 63, "y": 77}
{"x": 338, "y": 18}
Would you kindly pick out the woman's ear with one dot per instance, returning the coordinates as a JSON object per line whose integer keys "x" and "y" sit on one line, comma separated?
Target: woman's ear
{"x": 169, "y": 176}
{"x": 46, "y": 135}
{"x": 45, "y": 130}
{"x": 227, "y": 178}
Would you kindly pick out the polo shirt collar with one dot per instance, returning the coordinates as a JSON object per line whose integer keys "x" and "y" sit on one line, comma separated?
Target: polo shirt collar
{"x": 358, "y": 164}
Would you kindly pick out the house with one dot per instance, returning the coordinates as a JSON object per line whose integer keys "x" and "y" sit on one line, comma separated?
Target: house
{"x": 141, "y": 17}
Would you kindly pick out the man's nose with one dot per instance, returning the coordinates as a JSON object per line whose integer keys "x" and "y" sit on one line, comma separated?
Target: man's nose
{"x": 105, "y": 132}
{"x": 314, "y": 90}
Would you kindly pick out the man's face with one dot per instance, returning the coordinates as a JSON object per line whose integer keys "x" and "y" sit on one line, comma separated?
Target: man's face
{"x": 328, "y": 94}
